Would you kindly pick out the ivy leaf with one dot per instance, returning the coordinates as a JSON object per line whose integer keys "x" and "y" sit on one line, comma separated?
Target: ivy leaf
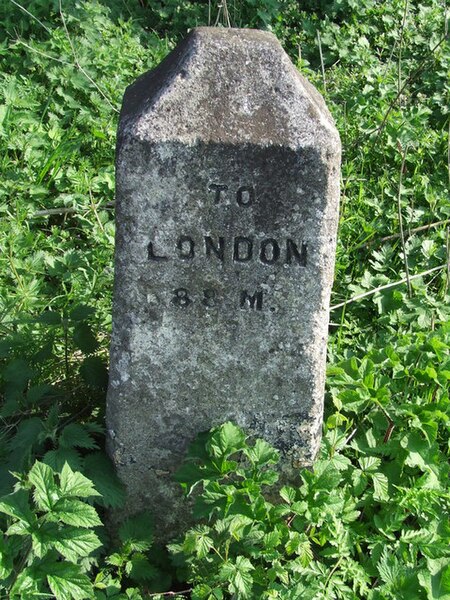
{"x": 73, "y": 543}
{"x": 75, "y": 512}
{"x": 74, "y": 483}
{"x": 45, "y": 492}
{"x": 67, "y": 582}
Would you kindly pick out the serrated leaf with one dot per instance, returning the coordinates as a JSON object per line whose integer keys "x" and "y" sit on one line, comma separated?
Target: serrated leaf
{"x": 16, "y": 505}
{"x": 75, "y": 512}
{"x": 225, "y": 440}
{"x": 73, "y": 483}
{"x": 57, "y": 458}
{"x": 238, "y": 575}
{"x": 43, "y": 538}
{"x": 75, "y": 435}
{"x": 198, "y": 541}
{"x": 262, "y": 453}
{"x": 94, "y": 372}
{"x": 288, "y": 494}
{"x": 84, "y": 338}
{"x": 6, "y": 559}
{"x": 299, "y": 544}
{"x": 67, "y": 582}
{"x": 18, "y": 372}
{"x": 82, "y": 312}
{"x": 99, "y": 469}
{"x": 45, "y": 493}
{"x": 436, "y": 580}
{"x": 28, "y": 434}
{"x": 50, "y": 317}
{"x": 380, "y": 486}
{"x": 28, "y": 584}
{"x": 74, "y": 543}
{"x": 140, "y": 569}
{"x": 137, "y": 531}
{"x": 369, "y": 463}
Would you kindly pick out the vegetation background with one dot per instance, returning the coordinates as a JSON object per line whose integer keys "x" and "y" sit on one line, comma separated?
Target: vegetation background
{"x": 371, "y": 520}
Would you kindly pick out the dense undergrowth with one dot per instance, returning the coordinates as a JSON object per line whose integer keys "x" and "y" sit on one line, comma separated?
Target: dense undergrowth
{"x": 371, "y": 519}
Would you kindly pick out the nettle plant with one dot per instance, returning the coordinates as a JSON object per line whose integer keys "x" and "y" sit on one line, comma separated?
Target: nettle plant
{"x": 48, "y": 539}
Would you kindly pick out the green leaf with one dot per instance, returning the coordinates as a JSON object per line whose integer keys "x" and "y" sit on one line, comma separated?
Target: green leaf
{"x": 82, "y": 312}
{"x": 94, "y": 372}
{"x": 137, "y": 531}
{"x": 84, "y": 338}
{"x": 299, "y": 544}
{"x": 225, "y": 440}
{"x": 57, "y": 458}
{"x": 50, "y": 317}
{"x": 74, "y": 483}
{"x": 436, "y": 580}
{"x": 75, "y": 435}
{"x": 198, "y": 541}
{"x": 18, "y": 372}
{"x": 6, "y": 558}
{"x": 380, "y": 486}
{"x": 140, "y": 569}
{"x": 29, "y": 584}
{"x": 67, "y": 582}
{"x": 74, "y": 543}
{"x": 288, "y": 494}
{"x": 238, "y": 575}
{"x": 100, "y": 470}
{"x": 43, "y": 538}
{"x": 45, "y": 492}
{"x": 75, "y": 512}
{"x": 16, "y": 505}
{"x": 262, "y": 453}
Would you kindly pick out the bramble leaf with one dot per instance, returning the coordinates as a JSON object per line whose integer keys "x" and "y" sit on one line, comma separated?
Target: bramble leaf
{"x": 45, "y": 493}
{"x": 75, "y": 512}
{"x": 67, "y": 582}
{"x": 74, "y": 483}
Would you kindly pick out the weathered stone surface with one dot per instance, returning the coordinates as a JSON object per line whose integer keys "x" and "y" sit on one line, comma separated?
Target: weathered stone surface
{"x": 227, "y": 206}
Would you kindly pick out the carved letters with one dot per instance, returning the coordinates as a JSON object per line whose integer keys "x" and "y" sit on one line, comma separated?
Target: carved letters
{"x": 221, "y": 249}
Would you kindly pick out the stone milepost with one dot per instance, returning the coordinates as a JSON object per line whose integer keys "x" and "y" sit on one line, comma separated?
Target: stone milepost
{"x": 227, "y": 207}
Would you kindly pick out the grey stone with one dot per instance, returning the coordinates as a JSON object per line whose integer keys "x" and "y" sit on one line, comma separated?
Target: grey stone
{"x": 226, "y": 212}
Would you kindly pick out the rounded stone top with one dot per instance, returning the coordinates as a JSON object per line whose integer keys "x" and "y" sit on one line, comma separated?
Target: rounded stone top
{"x": 227, "y": 86}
